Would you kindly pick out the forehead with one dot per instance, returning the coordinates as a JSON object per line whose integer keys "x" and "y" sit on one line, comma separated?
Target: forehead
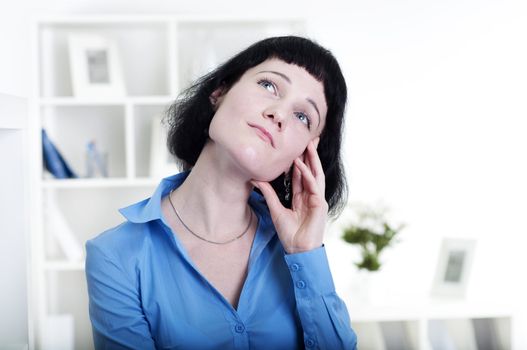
{"x": 302, "y": 82}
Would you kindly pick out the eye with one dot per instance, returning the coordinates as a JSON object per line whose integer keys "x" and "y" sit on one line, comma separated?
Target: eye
{"x": 304, "y": 119}
{"x": 268, "y": 85}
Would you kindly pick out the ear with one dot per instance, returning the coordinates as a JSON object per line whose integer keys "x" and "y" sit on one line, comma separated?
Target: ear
{"x": 216, "y": 97}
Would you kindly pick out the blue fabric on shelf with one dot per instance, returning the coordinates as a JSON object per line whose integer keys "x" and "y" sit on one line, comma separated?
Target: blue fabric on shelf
{"x": 53, "y": 160}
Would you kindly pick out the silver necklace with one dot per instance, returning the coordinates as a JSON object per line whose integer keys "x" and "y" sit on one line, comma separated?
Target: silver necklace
{"x": 203, "y": 238}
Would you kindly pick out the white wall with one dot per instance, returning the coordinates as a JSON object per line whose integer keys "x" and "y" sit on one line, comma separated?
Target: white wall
{"x": 437, "y": 119}
{"x": 437, "y": 115}
{"x": 14, "y": 247}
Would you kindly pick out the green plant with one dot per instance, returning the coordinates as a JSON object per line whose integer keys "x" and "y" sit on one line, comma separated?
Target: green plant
{"x": 373, "y": 234}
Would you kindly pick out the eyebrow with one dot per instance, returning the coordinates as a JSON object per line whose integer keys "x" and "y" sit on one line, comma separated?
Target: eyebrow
{"x": 286, "y": 78}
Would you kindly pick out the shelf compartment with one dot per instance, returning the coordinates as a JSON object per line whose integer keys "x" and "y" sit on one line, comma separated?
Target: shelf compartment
{"x": 388, "y": 335}
{"x": 67, "y": 296}
{"x": 470, "y": 333}
{"x": 71, "y": 128}
{"x": 142, "y": 50}
{"x": 145, "y": 118}
{"x": 67, "y": 228}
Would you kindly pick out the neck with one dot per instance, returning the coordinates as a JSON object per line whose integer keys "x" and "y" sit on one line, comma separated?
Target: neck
{"x": 213, "y": 199}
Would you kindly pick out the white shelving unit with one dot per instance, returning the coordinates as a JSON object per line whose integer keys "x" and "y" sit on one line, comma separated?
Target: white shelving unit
{"x": 159, "y": 56}
{"x": 433, "y": 324}
{"x": 15, "y": 330}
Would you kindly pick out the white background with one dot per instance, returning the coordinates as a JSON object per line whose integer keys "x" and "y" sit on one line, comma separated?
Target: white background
{"x": 436, "y": 125}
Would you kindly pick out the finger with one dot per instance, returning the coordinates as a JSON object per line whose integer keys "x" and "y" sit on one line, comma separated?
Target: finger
{"x": 297, "y": 185}
{"x": 315, "y": 164}
{"x": 297, "y": 180}
{"x": 307, "y": 161}
{"x": 306, "y": 156}
{"x": 309, "y": 180}
{"x": 271, "y": 198}
{"x": 303, "y": 156}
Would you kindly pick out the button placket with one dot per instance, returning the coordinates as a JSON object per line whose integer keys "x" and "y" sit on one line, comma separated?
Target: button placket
{"x": 310, "y": 343}
{"x": 301, "y": 284}
{"x": 239, "y": 328}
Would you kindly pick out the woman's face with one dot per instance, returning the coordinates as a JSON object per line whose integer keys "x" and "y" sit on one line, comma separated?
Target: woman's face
{"x": 268, "y": 117}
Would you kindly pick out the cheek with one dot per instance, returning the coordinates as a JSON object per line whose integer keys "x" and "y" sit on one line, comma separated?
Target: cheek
{"x": 227, "y": 116}
{"x": 298, "y": 148}
{"x": 287, "y": 157}
{"x": 213, "y": 127}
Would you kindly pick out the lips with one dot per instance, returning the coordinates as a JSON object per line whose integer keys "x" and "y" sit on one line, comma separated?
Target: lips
{"x": 263, "y": 133}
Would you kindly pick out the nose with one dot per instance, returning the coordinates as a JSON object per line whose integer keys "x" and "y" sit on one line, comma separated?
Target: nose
{"x": 277, "y": 116}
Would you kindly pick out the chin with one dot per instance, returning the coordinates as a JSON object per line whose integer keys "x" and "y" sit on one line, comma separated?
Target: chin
{"x": 251, "y": 160}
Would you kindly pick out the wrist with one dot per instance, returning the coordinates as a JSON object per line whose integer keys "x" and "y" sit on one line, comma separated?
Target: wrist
{"x": 303, "y": 249}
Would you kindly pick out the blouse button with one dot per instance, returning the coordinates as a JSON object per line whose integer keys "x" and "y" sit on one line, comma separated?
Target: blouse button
{"x": 310, "y": 343}
{"x": 301, "y": 284}
{"x": 295, "y": 267}
{"x": 239, "y": 328}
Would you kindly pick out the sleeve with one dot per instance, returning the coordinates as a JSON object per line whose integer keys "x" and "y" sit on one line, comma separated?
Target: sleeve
{"x": 117, "y": 318}
{"x": 323, "y": 315}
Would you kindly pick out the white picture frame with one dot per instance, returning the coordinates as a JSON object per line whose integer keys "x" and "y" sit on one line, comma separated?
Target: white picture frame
{"x": 453, "y": 267}
{"x": 95, "y": 66}
{"x": 162, "y": 163}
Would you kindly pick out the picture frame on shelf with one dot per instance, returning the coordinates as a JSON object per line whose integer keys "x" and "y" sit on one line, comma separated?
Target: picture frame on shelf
{"x": 162, "y": 163}
{"x": 95, "y": 66}
{"x": 453, "y": 267}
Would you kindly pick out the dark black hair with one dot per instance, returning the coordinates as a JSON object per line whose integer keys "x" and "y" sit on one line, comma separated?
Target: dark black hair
{"x": 189, "y": 117}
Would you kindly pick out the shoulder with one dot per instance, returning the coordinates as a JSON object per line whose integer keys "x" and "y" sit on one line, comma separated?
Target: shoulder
{"x": 121, "y": 244}
{"x": 131, "y": 244}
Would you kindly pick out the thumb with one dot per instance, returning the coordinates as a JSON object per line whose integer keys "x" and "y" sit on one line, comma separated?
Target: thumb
{"x": 271, "y": 198}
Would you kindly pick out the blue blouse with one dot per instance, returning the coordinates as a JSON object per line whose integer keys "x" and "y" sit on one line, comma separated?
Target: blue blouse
{"x": 146, "y": 293}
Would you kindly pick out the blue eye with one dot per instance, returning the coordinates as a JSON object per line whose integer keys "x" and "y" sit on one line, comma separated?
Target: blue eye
{"x": 268, "y": 85}
{"x": 304, "y": 119}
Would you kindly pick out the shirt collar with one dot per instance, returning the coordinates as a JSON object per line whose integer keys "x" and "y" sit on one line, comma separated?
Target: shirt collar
{"x": 150, "y": 209}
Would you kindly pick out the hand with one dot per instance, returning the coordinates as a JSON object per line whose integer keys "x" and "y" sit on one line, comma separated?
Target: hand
{"x": 302, "y": 227}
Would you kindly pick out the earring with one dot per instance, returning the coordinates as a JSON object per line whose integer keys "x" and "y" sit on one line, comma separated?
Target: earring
{"x": 287, "y": 186}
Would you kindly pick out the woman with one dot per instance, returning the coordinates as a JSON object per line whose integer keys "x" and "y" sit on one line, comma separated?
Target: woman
{"x": 210, "y": 262}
